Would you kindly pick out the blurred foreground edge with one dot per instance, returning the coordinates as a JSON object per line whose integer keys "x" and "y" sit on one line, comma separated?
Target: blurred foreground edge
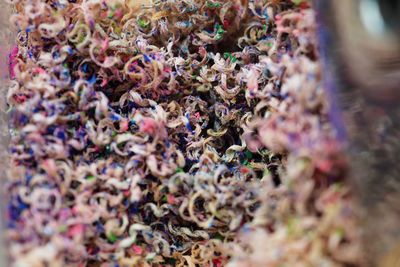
{"x": 360, "y": 49}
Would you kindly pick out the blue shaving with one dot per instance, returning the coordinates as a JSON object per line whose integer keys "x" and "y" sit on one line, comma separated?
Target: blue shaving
{"x": 92, "y": 80}
{"x": 146, "y": 58}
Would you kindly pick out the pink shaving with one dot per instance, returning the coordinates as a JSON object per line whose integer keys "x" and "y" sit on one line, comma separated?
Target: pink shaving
{"x": 13, "y": 61}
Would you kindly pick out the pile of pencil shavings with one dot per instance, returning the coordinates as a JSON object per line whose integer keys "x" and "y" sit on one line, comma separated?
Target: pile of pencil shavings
{"x": 179, "y": 133}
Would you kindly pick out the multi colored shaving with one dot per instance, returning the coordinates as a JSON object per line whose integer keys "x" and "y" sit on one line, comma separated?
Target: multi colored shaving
{"x": 178, "y": 133}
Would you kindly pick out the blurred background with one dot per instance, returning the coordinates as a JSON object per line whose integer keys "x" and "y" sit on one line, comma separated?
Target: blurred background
{"x": 361, "y": 53}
